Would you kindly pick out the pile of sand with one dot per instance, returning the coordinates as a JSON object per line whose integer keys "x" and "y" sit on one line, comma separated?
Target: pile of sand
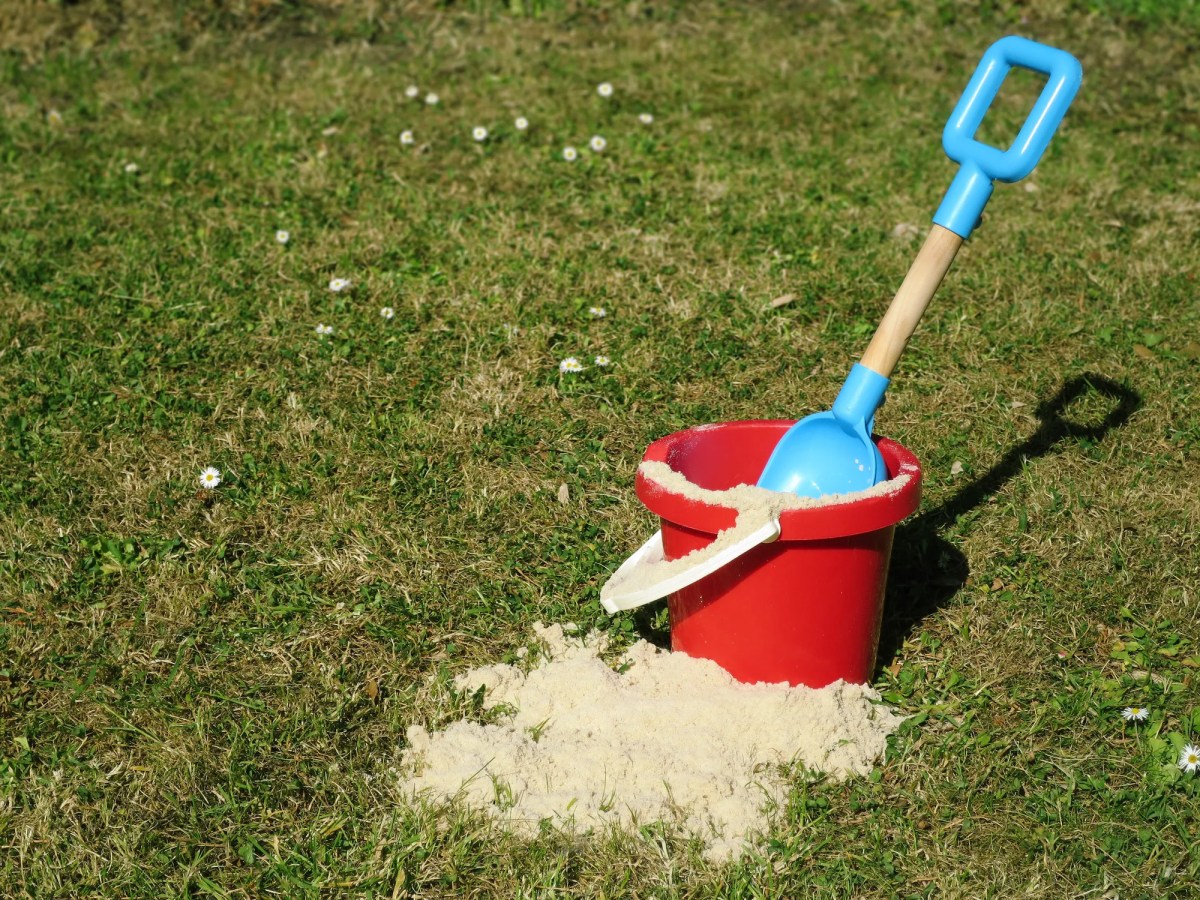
{"x": 665, "y": 738}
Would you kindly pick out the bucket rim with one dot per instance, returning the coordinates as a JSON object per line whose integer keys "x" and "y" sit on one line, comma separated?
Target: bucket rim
{"x": 833, "y": 520}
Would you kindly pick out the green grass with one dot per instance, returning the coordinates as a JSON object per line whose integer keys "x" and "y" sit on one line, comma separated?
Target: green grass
{"x": 205, "y": 693}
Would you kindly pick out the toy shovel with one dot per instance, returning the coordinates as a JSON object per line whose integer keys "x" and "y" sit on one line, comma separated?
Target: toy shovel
{"x": 832, "y": 452}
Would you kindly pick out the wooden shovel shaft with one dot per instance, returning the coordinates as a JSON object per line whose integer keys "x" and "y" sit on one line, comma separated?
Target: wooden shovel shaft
{"x": 918, "y": 288}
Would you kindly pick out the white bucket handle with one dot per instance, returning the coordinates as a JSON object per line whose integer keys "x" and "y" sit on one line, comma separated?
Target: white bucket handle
{"x": 656, "y": 577}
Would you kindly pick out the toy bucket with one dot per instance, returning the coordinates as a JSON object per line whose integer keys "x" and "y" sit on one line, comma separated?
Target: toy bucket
{"x": 804, "y": 609}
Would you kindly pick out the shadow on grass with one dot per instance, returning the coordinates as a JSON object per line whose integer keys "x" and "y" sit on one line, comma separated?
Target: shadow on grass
{"x": 926, "y": 570}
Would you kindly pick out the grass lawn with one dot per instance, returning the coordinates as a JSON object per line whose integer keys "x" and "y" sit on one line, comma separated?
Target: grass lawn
{"x": 205, "y": 692}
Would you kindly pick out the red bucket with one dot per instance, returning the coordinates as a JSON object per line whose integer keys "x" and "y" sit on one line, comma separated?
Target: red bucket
{"x": 804, "y": 609}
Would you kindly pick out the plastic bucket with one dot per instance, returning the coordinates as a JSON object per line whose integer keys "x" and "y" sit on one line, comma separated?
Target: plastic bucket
{"x": 804, "y": 609}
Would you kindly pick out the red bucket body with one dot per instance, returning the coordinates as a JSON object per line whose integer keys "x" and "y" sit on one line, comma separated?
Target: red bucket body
{"x": 804, "y": 609}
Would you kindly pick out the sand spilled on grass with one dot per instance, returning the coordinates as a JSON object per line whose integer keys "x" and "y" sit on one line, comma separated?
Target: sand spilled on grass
{"x": 664, "y": 738}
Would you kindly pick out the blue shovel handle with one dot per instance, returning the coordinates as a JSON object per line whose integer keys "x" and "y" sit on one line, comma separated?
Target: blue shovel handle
{"x": 982, "y": 164}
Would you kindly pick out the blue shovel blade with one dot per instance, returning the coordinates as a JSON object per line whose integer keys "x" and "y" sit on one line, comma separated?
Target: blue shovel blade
{"x": 822, "y": 455}
{"x": 832, "y": 452}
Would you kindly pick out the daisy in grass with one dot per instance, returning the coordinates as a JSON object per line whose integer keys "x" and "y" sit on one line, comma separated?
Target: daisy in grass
{"x": 1189, "y": 758}
{"x": 646, "y": 118}
{"x": 54, "y": 117}
{"x": 406, "y": 138}
{"x": 597, "y": 312}
{"x": 282, "y": 237}
{"x": 324, "y": 330}
{"x": 131, "y": 168}
{"x": 597, "y": 144}
{"x": 604, "y": 89}
{"x": 1135, "y": 713}
{"x": 432, "y": 99}
{"x": 602, "y": 361}
{"x": 520, "y": 123}
{"x": 387, "y": 312}
{"x": 570, "y": 154}
{"x": 510, "y": 329}
{"x": 479, "y": 133}
{"x": 569, "y": 365}
{"x": 412, "y": 92}
{"x": 337, "y": 285}
{"x": 210, "y": 477}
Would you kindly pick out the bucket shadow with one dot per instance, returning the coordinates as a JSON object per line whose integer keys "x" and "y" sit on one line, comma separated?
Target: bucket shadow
{"x": 927, "y": 571}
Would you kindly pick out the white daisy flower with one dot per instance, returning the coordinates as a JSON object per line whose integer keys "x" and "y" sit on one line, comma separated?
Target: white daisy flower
{"x": 602, "y": 361}
{"x": 570, "y": 364}
{"x": 597, "y": 312}
{"x": 479, "y": 133}
{"x": 337, "y": 285}
{"x": 210, "y": 477}
{"x": 406, "y": 138}
{"x": 54, "y": 117}
{"x": 604, "y": 89}
{"x": 597, "y": 144}
{"x": 412, "y": 91}
{"x": 324, "y": 330}
{"x": 131, "y": 168}
{"x": 510, "y": 329}
{"x": 1135, "y": 713}
{"x": 282, "y": 237}
{"x": 387, "y": 312}
{"x": 1189, "y": 758}
{"x": 520, "y": 123}
{"x": 646, "y": 118}
{"x": 570, "y": 154}
{"x": 432, "y": 99}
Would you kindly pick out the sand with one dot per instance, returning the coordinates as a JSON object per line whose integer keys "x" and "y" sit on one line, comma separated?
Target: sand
{"x": 755, "y": 507}
{"x": 752, "y": 500}
{"x": 666, "y": 738}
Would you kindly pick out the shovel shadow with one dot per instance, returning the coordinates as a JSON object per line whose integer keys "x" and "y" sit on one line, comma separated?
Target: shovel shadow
{"x": 926, "y": 570}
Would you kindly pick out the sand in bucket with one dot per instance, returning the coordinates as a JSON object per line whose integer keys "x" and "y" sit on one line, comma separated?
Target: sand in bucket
{"x": 753, "y": 505}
